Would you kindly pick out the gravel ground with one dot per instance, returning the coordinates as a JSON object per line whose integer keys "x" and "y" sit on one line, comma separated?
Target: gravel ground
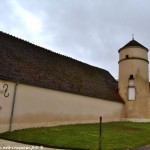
{"x": 4, "y": 144}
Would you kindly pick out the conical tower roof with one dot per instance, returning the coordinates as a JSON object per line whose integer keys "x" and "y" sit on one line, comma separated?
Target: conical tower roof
{"x": 133, "y": 43}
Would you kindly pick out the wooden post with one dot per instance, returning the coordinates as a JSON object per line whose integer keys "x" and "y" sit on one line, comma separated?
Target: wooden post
{"x": 100, "y": 133}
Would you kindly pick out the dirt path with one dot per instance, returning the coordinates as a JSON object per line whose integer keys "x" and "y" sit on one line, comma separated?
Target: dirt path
{"x": 147, "y": 147}
{"x": 4, "y": 144}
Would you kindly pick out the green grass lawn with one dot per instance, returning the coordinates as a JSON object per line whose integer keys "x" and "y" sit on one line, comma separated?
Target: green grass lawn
{"x": 86, "y": 136}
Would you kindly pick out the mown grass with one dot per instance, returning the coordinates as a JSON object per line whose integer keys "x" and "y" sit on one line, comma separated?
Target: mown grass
{"x": 86, "y": 136}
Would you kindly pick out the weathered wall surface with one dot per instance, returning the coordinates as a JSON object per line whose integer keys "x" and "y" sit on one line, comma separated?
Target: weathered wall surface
{"x": 6, "y": 98}
{"x": 36, "y": 106}
{"x": 134, "y": 61}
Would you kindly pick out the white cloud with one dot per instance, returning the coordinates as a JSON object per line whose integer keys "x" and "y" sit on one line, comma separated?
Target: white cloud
{"x": 31, "y": 22}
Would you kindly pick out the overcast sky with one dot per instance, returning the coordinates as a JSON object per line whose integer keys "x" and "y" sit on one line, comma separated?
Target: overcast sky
{"x": 91, "y": 31}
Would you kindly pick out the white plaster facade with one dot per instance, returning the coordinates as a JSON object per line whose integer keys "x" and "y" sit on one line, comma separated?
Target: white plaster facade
{"x": 35, "y": 106}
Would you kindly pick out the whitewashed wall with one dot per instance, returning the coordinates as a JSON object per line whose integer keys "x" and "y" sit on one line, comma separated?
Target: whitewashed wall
{"x": 35, "y": 106}
{"x": 6, "y": 97}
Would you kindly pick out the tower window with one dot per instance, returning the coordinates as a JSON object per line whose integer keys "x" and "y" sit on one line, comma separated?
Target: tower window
{"x": 131, "y": 77}
{"x": 127, "y": 56}
{"x": 131, "y": 93}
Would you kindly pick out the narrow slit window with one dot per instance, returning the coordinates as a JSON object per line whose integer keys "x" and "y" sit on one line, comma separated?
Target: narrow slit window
{"x": 127, "y": 56}
{"x": 131, "y": 77}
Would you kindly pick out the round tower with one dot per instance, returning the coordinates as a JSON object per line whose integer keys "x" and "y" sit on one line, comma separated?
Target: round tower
{"x": 134, "y": 80}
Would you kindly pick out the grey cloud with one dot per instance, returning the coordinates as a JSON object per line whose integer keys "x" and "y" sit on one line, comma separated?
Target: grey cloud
{"x": 90, "y": 31}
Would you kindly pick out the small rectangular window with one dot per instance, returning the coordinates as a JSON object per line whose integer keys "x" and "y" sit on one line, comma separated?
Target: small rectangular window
{"x": 127, "y": 56}
{"x": 131, "y": 93}
{"x": 131, "y": 77}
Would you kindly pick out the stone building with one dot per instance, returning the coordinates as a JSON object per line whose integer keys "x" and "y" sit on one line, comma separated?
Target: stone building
{"x": 39, "y": 87}
{"x": 134, "y": 80}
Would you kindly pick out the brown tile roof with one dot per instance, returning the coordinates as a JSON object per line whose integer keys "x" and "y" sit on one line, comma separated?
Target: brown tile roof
{"x": 133, "y": 43}
{"x": 30, "y": 64}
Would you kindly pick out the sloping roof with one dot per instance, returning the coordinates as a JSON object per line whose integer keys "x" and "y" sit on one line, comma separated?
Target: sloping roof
{"x": 30, "y": 64}
{"x": 133, "y": 43}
